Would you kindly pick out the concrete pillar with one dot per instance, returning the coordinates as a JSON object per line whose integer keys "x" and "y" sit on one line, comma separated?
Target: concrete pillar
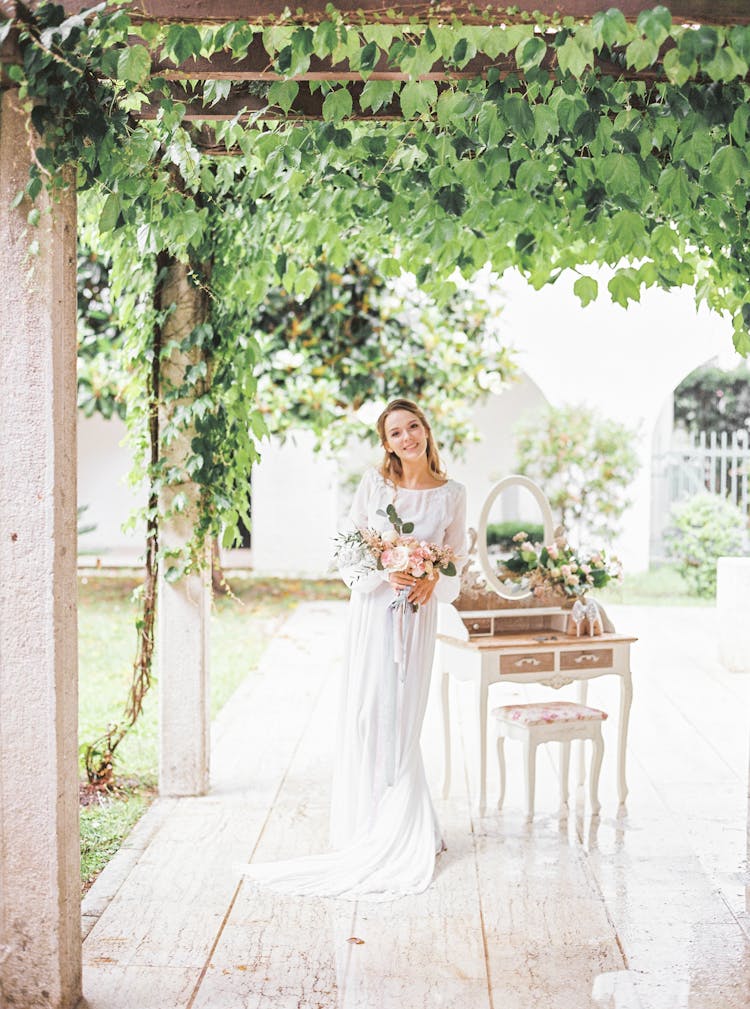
{"x": 40, "y": 947}
{"x": 184, "y": 605}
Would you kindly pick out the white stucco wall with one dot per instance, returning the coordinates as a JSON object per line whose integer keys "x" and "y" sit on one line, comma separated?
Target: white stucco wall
{"x": 487, "y": 461}
{"x": 294, "y": 509}
{"x": 103, "y": 467}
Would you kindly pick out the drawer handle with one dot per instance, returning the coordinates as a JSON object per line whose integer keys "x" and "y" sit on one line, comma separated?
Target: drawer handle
{"x": 528, "y": 662}
{"x": 587, "y": 658}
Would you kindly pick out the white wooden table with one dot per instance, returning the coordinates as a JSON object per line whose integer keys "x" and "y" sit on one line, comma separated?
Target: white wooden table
{"x": 548, "y": 656}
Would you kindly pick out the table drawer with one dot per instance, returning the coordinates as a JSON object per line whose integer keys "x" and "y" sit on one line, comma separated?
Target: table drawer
{"x": 477, "y": 625}
{"x": 532, "y": 662}
{"x": 587, "y": 658}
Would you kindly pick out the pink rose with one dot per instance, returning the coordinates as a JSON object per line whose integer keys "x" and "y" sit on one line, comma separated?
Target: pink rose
{"x": 395, "y": 558}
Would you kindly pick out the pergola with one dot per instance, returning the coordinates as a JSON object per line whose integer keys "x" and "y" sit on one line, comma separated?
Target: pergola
{"x": 40, "y": 962}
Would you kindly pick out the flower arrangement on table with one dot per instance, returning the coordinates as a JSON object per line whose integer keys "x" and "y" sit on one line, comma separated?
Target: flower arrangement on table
{"x": 394, "y": 550}
{"x": 556, "y": 568}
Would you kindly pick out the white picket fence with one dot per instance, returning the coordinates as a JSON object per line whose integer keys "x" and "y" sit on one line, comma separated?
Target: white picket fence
{"x": 714, "y": 462}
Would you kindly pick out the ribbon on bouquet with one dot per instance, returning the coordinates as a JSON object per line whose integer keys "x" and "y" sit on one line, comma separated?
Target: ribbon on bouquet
{"x": 399, "y": 625}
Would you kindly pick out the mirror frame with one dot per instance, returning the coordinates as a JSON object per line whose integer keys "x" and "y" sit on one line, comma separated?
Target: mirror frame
{"x": 515, "y": 480}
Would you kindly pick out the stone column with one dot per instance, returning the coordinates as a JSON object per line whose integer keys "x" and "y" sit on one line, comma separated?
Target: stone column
{"x": 40, "y": 947}
{"x": 184, "y": 605}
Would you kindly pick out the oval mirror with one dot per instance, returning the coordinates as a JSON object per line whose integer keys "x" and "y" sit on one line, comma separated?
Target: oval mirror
{"x": 515, "y": 504}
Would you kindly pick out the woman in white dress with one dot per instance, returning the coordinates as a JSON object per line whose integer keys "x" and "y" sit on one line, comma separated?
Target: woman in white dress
{"x": 384, "y": 831}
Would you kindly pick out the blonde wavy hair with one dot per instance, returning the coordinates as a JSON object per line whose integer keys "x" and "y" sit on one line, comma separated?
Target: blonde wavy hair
{"x": 391, "y": 468}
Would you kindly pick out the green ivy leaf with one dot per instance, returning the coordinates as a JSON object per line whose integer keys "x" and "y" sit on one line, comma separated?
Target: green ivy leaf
{"x": 738, "y": 126}
{"x": 546, "y": 124}
{"x": 624, "y": 287}
{"x": 655, "y": 24}
{"x": 572, "y": 58}
{"x": 337, "y": 105}
{"x": 376, "y": 94}
{"x": 529, "y": 54}
{"x": 586, "y": 290}
{"x": 134, "y": 64}
{"x": 678, "y": 70}
{"x": 642, "y": 53}
{"x": 110, "y": 212}
{"x": 620, "y": 173}
{"x": 386, "y": 192}
{"x": 417, "y": 97}
{"x": 739, "y": 40}
{"x": 450, "y": 105}
{"x": 368, "y": 58}
{"x": 283, "y": 93}
{"x": 519, "y": 115}
{"x": 490, "y": 126}
{"x": 452, "y": 199}
{"x": 728, "y": 167}
{"x": 532, "y": 175}
{"x": 610, "y": 27}
{"x": 183, "y": 41}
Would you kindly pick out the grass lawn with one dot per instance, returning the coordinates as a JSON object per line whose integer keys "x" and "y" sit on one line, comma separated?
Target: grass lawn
{"x": 240, "y": 630}
{"x": 661, "y": 586}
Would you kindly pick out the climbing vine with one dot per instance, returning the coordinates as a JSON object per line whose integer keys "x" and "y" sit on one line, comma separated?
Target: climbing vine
{"x": 534, "y": 153}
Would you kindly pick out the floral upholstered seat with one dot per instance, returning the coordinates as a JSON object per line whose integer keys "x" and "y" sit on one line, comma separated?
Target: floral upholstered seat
{"x": 553, "y": 721}
{"x": 547, "y": 714}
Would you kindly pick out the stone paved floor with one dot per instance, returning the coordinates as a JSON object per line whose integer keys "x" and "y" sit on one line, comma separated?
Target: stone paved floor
{"x": 644, "y": 908}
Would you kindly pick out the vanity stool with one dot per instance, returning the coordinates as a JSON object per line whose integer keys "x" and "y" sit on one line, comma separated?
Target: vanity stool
{"x": 555, "y": 721}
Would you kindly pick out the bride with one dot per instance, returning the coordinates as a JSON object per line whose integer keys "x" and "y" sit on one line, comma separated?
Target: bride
{"x": 384, "y": 831}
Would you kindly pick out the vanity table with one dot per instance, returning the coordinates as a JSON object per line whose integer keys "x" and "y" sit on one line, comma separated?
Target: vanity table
{"x": 496, "y": 634}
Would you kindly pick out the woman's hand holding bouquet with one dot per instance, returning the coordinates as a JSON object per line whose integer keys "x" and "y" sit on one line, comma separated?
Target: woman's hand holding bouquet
{"x": 410, "y": 564}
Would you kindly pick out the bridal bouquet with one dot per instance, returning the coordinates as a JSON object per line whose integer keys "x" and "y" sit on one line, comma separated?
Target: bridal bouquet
{"x": 558, "y": 569}
{"x": 394, "y": 550}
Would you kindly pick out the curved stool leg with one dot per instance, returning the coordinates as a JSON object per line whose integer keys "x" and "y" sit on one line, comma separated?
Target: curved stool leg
{"x": 501, "y": 765}
{"x": 530, "y": 771}
{"x": 564, "y": 771}
{"x": 596, "y": 766}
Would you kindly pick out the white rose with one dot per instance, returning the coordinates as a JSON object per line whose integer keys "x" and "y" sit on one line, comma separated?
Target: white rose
{"x": 390, "y": 536}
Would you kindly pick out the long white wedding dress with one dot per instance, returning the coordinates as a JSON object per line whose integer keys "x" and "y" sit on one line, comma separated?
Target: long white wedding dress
{"x": 384, "y": 831}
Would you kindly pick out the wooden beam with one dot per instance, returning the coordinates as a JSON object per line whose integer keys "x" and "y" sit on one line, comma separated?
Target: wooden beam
{"x": 716, "y": 12}
{"x": 245, "y": 106}
{"x": 256, "y": 67}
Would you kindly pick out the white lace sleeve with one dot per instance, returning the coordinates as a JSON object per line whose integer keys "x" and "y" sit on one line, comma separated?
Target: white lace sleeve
{"x": 358, "y": 518}
{"x": 449, "y": 586}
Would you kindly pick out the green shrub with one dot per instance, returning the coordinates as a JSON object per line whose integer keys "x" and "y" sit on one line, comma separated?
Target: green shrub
{"x": 501, "y": 533}
{"x": 704, "y": 528}
{"x": 585, "y": 464}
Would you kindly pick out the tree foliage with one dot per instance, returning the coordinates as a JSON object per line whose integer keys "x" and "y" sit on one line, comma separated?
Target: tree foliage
{"x": 714, "y": 399}
{"x": 360, "y": 339}
{"x": 100, "y": 376}
{"x": 586, "y": 464}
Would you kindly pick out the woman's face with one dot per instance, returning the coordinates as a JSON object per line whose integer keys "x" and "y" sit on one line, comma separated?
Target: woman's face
{"x": 405, "y": 435}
